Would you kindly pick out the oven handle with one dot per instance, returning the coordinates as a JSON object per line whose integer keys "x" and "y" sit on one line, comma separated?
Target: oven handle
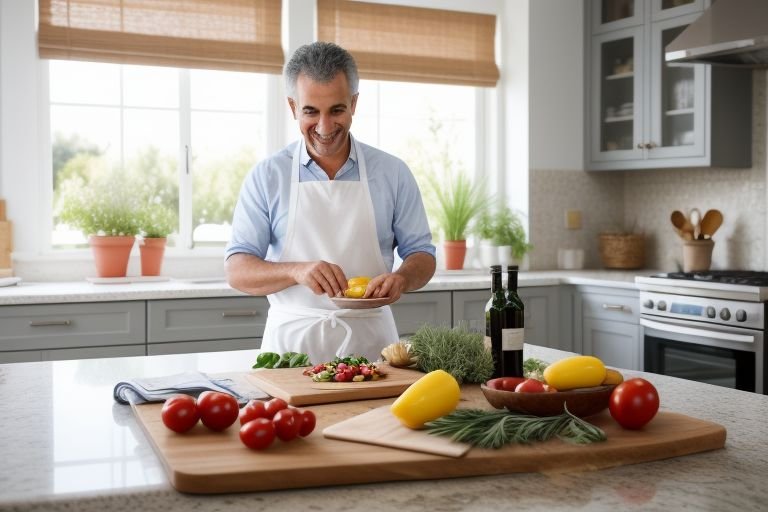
{"x": 679, "y": 329}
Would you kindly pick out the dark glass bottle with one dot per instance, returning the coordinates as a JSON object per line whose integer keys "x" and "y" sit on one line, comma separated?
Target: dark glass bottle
{"x": 513, "y": 328}
{"x": 494, "y": 320}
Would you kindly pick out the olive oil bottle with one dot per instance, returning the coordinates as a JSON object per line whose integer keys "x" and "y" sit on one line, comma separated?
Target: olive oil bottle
{"x": 494, "y": 320}
{"x": 513, "y": 328}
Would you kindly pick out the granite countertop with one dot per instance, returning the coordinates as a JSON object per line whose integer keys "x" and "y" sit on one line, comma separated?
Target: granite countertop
{"x": 84, "y": 291}
{"x": 67, "y": 446}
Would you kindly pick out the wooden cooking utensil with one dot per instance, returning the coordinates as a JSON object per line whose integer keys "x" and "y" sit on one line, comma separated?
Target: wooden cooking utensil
{"x": 694, "y": 217}
{"x": 683, "y": 227}
{"x": 710, "y": 223}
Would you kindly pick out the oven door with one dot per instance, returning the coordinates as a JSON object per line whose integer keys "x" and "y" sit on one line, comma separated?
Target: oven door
{"x": 705, "y": 353}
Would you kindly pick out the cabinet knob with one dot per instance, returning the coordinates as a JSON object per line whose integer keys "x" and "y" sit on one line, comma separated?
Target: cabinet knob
{"x": 650, "y": 145}
{"x": 640, "y": 145}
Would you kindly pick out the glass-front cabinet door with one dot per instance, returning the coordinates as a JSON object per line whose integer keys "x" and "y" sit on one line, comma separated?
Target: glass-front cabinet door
{"x": 616, "y": 14}
{"x": 663, "y": 9}
{"x": 677, "y": 97}
{"x": 617, "y": 100}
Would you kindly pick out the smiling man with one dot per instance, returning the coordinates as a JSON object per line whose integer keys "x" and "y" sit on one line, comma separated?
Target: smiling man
{"x": 325, "y": 209}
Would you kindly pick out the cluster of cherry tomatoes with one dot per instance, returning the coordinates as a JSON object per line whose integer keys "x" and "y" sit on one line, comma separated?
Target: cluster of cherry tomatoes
{"x": 260, "y": 422}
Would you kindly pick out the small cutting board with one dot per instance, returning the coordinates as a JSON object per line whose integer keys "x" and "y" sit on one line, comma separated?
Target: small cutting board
{"x": 297, "y": 389}
{"x": 378, "y": 426}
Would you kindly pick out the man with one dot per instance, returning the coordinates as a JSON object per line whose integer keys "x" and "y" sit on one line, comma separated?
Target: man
{"x": 325, "y": 209}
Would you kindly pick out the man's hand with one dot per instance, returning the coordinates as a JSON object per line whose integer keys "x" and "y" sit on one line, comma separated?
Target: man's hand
{"x": 386, "y": 285}
{"x": 321, "y": 277}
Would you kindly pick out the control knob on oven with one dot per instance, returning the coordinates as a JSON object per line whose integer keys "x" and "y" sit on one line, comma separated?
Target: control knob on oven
{"x": 661, "y": 305}
{"x": 725, "y": 314}
{"x": 711, "y": 313}
{"x": 741, "y": 316}
{"x": 648, "y": 304}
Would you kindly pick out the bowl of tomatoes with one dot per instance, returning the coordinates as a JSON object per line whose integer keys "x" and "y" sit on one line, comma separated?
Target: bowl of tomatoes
{"x": 530, "y": 396}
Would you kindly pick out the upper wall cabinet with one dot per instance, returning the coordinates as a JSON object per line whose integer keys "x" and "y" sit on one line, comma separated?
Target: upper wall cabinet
{"x": 645, "y": 113}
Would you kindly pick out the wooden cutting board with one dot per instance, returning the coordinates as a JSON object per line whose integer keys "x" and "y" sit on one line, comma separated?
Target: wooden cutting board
{"x": 202, "y": 461}
{"x": 378, "y": 426}
{"x": 297, "y": 389}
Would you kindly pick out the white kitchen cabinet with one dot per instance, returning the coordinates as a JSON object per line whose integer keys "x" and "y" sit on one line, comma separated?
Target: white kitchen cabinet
{"x": 542, "y": 326}
{"x": 57, "y": 331}
{"x": 610, "y": 325}
{"x": 418, "y": 308}
{"x": 201, "y": 325}
{"x": 646, "y": 113}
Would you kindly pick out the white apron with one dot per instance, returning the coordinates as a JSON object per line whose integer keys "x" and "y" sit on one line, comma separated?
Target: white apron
{"x": 331, "y": 221}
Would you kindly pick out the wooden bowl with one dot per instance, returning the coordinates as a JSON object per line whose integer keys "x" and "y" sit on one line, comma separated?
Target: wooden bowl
{"x": 581, "y": 402}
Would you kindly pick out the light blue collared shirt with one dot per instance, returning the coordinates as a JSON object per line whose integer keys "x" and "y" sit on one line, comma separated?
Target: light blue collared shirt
{"x": 260, "y": 220}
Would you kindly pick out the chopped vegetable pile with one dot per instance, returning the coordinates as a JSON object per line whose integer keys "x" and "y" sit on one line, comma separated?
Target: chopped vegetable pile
{"x": 345, "y": 369}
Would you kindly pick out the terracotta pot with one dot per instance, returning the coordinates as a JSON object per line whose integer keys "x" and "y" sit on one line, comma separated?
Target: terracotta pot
{"x": 111, "y": 254}
{"x": 455, "y": 251}
{"x": 152, "y": 251}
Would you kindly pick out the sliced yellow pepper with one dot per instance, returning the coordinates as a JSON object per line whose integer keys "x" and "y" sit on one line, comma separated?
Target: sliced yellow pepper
{"x": 354, "y": 292}
{"x": 358, "y": 281}
{"x": 432, "y": 396}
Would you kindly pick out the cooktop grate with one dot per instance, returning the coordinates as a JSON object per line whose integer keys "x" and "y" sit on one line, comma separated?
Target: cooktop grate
{"x": 743, "y": 277}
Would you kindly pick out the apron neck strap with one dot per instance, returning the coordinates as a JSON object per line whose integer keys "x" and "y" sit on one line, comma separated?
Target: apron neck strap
{"x": 362, "y": 169}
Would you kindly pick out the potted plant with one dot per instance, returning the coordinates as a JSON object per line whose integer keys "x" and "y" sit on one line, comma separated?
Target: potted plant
{"x": 457, "y": 203}
{"x": 502, "y": 237}
{"x": 105, "y": 211}
{"x": 156, "y": 222}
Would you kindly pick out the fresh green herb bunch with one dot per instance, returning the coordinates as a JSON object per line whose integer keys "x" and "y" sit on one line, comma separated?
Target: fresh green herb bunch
{"x": 287, "y": 360}
{"x": 458, "y": 351}
{"x": 503, "y": 226}
{"x": 534, "y": 368}
{"x": 494, "y": 429}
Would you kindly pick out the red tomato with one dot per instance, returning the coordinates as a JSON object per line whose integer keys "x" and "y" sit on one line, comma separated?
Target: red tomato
{"x": 258, "y": 434}
{"x": 634, "y": 403}
{"x": 274, "y": 405}
{"x": 287, "y": 424}
{"x": 505, "y": 383}
{"x": 217, "y": 410}
{"x": 180, "y": 413}
{"x": 530, "y": 386}
{"x": 308, "y": 422}
{"x": 254, "y": 409}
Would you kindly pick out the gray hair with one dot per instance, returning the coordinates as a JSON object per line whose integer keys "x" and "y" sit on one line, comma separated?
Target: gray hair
{"x": 321, "y": 62}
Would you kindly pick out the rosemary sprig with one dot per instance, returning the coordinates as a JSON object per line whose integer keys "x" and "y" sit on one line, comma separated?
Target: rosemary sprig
{"x": 494, "y": 429}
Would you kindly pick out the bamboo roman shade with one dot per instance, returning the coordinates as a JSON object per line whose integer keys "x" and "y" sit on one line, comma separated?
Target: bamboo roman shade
{"x": 392, "y": 42}
{"x": 236, "y": 35}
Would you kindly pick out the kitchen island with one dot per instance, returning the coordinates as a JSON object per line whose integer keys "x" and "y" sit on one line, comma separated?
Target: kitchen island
{"x": 66, "y": 445}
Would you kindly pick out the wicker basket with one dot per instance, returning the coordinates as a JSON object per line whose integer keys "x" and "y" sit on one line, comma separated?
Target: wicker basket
{"x": 622, "y": 250}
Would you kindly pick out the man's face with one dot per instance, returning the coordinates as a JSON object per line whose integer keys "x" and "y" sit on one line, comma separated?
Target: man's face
{"x": 324, "y": 112}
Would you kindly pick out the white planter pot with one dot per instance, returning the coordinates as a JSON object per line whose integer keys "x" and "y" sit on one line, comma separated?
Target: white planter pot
{"x": 489, "y": 254}
{"x": 505, "y": 256}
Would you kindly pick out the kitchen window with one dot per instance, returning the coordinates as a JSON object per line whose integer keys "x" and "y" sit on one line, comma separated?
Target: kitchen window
{"x": 184, "y": 138}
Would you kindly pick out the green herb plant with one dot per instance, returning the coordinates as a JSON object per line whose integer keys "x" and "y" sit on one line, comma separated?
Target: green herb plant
{"x": 287, "y": 360}
{"x": 104, "y": 207}
{"x": 156, "y": 220}
{"x": 503, "y": 226}
{"x": 494, "y": 429}
{"x": 534, "y": 368}
{"x": 458, "y": 351}
{"x": 457, "y": 203}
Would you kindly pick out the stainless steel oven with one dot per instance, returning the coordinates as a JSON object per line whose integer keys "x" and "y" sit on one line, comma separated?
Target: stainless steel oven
{"x": 706, "y": 339}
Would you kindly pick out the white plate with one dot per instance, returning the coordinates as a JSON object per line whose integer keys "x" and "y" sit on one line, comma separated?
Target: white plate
{"x": 9, "y": 281}
{"x": 347, "y": 303}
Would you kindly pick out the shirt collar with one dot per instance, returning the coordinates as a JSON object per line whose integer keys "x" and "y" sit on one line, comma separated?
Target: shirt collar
{"x": 306, "y": 158}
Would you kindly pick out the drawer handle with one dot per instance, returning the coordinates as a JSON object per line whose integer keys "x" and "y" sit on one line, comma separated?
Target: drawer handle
{"x": 234, "y": 314}
{"x": 50, "y": 323}
{"x": 613, "y": 307}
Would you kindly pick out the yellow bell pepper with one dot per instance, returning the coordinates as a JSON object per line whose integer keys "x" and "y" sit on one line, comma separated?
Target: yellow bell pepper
{"x": 432, "y": 396}
{"x": 354, "y": 292}
{"x": 575, "y": 372}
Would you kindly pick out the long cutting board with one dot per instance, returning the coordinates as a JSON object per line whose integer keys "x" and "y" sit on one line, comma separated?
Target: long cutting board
{"x": 297, "y": 389}
{"x": 202, "y": 461}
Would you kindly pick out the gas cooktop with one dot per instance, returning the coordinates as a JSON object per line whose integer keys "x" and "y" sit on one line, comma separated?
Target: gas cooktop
{"x": 746, "y": 285}
{"x": 745, "y": 277}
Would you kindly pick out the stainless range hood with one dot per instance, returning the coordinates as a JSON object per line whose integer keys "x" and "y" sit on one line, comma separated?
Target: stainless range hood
{"x": 730, "y": 32}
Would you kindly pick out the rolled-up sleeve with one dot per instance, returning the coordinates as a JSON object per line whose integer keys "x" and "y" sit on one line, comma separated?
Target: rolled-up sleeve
{"x": 410, "y": 225}
{"x": 251, "y": 230}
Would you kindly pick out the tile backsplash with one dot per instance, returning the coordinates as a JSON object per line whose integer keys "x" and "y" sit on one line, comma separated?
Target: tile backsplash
{"x": 642, "y": 201}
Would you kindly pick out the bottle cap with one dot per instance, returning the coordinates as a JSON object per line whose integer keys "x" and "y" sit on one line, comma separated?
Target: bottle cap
{"x": 495, "y": 268}
{"x": 512, "y": 267}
